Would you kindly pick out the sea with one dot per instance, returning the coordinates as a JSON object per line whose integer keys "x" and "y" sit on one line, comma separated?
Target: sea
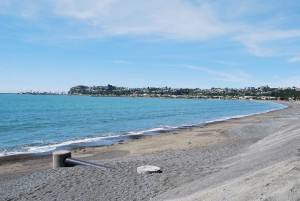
{"x": 39, "y": 124}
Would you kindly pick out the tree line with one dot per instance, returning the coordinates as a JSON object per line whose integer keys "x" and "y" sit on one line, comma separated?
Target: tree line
{"x": 110, "y": 90}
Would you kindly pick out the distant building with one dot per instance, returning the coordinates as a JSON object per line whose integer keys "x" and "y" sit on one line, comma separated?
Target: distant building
{"x": 250, "y": 88}
{"x": 263, "y": 88}
{"x": 268, "y": 98}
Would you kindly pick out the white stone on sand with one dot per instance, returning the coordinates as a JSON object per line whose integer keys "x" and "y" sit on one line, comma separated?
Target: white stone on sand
{"x": 148, "y": 169}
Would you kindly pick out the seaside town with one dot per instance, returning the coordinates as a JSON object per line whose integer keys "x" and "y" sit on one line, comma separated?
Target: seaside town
{"x": 248, "y": 93}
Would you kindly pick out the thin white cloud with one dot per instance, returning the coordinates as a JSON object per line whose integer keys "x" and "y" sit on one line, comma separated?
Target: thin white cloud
{"x": 235, "y": 76}
{"x": 189, "y": 20}
{"x": 294, "y": 59}
{"x": 170, "y": 19}
{"x": 165, "y": 19}
{"x": 266, "y": 43}
{"x": 83, "y": 10}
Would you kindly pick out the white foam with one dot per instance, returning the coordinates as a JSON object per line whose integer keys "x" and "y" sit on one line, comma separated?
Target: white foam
{"x": 47, "y": 148}
{"x": 153, "y": 130}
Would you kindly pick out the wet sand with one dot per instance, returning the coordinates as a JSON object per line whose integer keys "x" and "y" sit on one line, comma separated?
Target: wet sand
{"x": 228, "y": 160}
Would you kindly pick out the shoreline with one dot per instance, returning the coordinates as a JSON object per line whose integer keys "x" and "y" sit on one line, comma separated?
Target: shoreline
{"x": 34, "y": 156}
{"x": 100, "y": 141}
{"x": 127, "y": 138}
{"x": 121, "y": 138}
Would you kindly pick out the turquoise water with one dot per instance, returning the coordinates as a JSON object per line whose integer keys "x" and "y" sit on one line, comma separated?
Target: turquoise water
{"x": 36, "y": 123}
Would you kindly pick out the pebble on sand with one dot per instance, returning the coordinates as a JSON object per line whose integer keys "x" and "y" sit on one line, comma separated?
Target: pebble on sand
{"x": 148, "y": 169}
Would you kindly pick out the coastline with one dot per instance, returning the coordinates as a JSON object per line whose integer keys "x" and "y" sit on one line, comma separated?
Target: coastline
{"x": 113, "y": 140}
{"x": 105, "y": 140}
{"x": 120, "y": 143}
{"x": 185, "y": 156}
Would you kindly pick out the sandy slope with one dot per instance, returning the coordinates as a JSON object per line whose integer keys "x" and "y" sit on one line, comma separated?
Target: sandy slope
{"x": 267, "y": 170}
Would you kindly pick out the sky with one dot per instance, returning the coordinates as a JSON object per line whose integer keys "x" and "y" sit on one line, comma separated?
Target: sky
{"x": 52, "y": 45}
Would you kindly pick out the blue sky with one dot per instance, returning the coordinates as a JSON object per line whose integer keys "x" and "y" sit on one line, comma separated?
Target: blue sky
{"x": 52, "y": 45}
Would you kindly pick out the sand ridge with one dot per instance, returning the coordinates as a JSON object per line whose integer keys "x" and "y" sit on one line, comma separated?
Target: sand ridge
{"x": 267, "y": 170}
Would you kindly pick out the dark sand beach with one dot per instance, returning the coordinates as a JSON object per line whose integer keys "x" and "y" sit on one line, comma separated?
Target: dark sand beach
{"x": 250, "y": 158}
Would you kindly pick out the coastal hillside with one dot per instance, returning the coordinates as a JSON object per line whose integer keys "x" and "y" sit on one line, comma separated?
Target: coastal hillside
{"x": 259, "y": 93}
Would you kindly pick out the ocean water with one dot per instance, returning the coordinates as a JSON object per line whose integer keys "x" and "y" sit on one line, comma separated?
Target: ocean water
{"x": 39, "y": 124}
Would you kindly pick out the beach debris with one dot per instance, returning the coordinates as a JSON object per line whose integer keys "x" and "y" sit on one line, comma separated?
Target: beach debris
{"x": 71, "y": 162}
{"x": 59, "y": 158}
{"x": 148, "y": 169}
{"x": 63, "y": 159}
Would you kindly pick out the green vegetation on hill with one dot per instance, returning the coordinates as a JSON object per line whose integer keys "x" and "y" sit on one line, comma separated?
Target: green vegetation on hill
{"x": 264, "y": 92}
